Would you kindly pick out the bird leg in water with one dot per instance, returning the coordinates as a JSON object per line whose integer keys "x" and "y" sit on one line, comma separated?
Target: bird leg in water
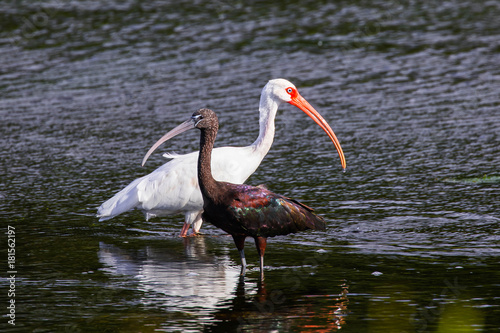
{"x": 196, "y": 223}
{"x": 184, "y": 230}
{"x": 239, "y": 241}
{"x": 260, "y": 243}
{"x": 243, "y": 262}
{"x": 191, "y": 219}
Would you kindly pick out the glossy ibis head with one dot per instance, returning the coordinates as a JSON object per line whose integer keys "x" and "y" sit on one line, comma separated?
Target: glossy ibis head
{"x": 201, "y": 119}
{"x": 205, "y": 118}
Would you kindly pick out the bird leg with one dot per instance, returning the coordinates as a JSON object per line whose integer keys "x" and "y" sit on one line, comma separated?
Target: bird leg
{"x": 260, "y": 243}
{"x": 184, "y": 230}
{"x": 239, "y": 241}
{"x": 191, "y": 219}
{"x": 243, "y": 262}
{"x": 196, "y": 223}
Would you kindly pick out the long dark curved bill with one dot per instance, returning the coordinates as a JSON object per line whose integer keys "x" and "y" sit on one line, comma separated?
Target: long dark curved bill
{"x": 185, "y": 126}
{"x": 304, "y": 105}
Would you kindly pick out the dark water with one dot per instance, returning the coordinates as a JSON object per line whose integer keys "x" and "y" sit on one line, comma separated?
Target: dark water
{"x": 412, "y": 90}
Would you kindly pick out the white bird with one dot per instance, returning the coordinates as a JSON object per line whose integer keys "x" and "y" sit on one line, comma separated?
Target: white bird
{"x": 173, "y": 188}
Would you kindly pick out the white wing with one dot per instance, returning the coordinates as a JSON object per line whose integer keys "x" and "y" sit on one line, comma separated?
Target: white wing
{"x": 173, "y": 187}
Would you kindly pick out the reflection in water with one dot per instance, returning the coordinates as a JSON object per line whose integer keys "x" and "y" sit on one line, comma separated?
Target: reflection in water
{"x": 272, "y": 310}
{"x": 186, "y": 284}
{"x": 333, "y": 316}
{"x": 208, "y": 289}
{"x": 410, "y": 86}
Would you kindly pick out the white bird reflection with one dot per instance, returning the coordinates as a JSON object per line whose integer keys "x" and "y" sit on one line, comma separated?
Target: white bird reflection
{"x": 194, "y": 281}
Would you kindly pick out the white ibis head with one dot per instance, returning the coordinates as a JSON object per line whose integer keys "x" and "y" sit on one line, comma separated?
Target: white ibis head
{"x": 285, "y": 91}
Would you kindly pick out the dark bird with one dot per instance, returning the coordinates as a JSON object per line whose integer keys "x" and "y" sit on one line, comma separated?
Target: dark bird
{"x": 243, "y": 210}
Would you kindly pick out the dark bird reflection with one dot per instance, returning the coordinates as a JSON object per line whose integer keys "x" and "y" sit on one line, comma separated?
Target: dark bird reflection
{"x": 276, "y": 310}
{"x": 208, "y": 288}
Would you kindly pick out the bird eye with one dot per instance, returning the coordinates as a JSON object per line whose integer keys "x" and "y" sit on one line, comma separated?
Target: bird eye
{"x": 289, "y": 90}
{"x": 197, "y": 119}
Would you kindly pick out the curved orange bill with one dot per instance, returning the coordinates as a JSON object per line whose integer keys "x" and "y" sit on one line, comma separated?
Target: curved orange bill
{"x": 185, "y": 126}
{"x": 304, "y": 105}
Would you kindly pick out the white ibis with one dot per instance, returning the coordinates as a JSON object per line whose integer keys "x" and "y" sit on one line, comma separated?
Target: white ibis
{"x": 173, "y": 188}
{"x": 242, "y": 210}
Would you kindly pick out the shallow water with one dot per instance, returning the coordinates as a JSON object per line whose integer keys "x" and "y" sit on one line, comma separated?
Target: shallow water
{"x": 411, "y": 90}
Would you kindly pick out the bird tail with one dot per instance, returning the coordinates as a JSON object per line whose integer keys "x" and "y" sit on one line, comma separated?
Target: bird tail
{"x": 318, "y": 222}
{"x": 313, "y": 221}
{"x": 123, "y": 201}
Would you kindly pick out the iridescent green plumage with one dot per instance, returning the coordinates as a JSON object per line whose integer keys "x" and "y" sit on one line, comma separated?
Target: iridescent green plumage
{"x": 258, "y": 212}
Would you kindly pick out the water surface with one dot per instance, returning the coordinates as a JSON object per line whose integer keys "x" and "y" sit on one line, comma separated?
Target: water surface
{"x": 411, "y": 90}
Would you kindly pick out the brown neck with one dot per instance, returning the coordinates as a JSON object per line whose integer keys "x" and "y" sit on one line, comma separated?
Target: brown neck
{"x": 208, "y": 184}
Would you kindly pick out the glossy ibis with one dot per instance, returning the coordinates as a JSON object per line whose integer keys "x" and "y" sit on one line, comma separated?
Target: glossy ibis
{"x": 242, "y": 210}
